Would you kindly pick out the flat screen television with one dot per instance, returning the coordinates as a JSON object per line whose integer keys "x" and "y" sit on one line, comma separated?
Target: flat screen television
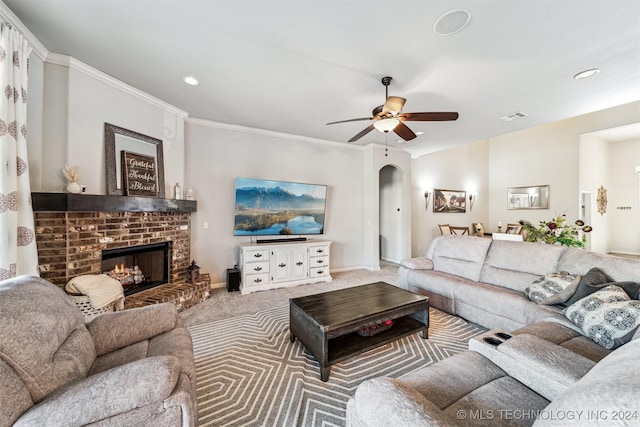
{"x": 268, "y": 208}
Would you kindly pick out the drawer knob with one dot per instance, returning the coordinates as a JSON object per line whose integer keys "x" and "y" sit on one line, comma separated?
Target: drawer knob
{"x": 258, "y": 255}
{"x": 320, "y": 271}
{"x": 258, "y": 280}
{"x": 320, "y": 251}
{"x": 282, "y": 265}
{"x": 257, "y": 269}
{"x": 299, "y": 263}
{"x": 319, "y": 261}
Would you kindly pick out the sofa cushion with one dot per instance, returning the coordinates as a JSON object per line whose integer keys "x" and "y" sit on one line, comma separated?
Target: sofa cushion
{"x": 515, "y": 265}
{"x": 461, "y": 255}
{"x": 553, "y": 288}
{"x": 469, "y": 381}
{"x": 610, "y": 389}
{"x": 565, "y": 337}
{"x": 498, "y": 307}
{"x": 619, "y": 269}
{"x": 43, "y": 337}
{"x": 609, "y": 317}
{"x": 417, "y": 264}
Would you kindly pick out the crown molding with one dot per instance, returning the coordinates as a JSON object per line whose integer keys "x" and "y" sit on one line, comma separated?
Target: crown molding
{"x": 10, "y": 17}
{"x": 270, "y": 133}
{"x": 74, "y": 64}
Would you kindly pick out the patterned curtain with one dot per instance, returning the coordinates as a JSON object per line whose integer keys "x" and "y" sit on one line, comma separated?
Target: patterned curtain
{"x": 18, "y": 253}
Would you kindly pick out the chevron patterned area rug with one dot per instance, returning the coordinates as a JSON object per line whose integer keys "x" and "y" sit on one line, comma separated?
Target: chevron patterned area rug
{"x": 249, "y": 374}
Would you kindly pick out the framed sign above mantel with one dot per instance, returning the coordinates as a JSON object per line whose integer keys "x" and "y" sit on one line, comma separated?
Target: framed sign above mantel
{"x": 117, "y": 140}
{"x": 139, "y": 174}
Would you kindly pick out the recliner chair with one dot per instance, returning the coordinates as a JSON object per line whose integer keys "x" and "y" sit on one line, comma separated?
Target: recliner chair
{"x": 132, "y": 367}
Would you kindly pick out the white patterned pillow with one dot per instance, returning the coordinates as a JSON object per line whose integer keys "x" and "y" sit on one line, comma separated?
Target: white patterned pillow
{"x": 609, "y": 317}
{"x": 553, "y": 288}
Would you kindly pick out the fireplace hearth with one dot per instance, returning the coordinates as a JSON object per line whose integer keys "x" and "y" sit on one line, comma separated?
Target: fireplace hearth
{"x": 138, "y": 267}
{"x": 73, "y": 230}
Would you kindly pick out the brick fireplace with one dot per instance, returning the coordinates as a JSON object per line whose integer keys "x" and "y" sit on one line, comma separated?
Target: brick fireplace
{"x": 72, "y": 231}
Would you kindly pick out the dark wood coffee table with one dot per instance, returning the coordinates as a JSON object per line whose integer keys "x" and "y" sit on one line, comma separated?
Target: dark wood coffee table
{"x": 327, "y": 323}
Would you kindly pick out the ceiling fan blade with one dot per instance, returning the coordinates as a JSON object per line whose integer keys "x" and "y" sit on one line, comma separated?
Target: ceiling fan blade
{"x": 351, "y": 120}
{"x": 429, "y": 117}
{"x": 404, "y": 132}
{"x": 363, "y": 133}
{"x": 393, "y": 105}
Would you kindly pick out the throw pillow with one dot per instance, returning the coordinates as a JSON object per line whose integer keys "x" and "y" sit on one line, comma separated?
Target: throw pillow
{"x": 553, "y": 288}
{"x": 596, "y": 279}
{"x": 608, "y": 316}
{"x": 587, "y": 284}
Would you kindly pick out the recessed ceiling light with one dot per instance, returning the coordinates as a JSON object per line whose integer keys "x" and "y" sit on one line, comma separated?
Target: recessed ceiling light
{"x": 452, "y": 22}
{"x": 191, "y": 81}
{"x": 586, "y": 74}
{"x": 419, "y": 133}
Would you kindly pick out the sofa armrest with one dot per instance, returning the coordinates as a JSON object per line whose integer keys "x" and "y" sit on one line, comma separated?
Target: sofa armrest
{"x": 543, "y": 366}
{"x": 112, "y": 331}
{"x": 389, "y": 402}
{"x": 106, "y": 394}
{"x": 417, "y": 264}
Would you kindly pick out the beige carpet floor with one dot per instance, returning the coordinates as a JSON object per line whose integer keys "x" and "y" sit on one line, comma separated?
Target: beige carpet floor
{"x": 249, "y": 374}
{"x": 223, "y": 304}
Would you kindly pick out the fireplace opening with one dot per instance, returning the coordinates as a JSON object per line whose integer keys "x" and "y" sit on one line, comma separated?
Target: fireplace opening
{"x": 138, "y": 267}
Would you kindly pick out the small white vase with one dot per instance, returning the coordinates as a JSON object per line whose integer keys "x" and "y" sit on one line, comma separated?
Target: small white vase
{"x": 74, "y": 188}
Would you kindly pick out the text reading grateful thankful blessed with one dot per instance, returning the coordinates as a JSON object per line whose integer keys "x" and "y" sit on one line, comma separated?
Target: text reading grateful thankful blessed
{"x": 140, "y": 176}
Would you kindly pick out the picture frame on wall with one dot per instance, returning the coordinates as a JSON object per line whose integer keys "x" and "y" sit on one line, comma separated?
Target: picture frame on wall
{"x": 533, "y": 197}
{"x": 449, "y": 201}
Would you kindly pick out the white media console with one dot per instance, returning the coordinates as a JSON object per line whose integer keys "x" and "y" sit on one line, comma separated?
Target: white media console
{"x": 283, "y": 264}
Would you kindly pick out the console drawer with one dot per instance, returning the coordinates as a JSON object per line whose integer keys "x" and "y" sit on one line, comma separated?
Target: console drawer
{"x": 257, "y": 267}
{"x": 319, "y": 261}
{"x": 257, "y": 255}
{"x": 318, "y": 271}
{"x": 256, "y": 279}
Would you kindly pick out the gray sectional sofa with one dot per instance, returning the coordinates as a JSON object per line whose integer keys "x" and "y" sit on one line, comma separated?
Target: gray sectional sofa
{"x": 484, "y": 280}
{"x": 533, "y": 366}
{"x": 132, "y": 367}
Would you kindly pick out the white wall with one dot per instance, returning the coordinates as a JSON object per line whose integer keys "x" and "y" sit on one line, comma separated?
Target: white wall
{"x": 217, "y": 155}
{"x": 462, "y": 168}
{"x": 376, "y": 158}
{"x": 623, "y": 192}
{"x": 391, "y": 212}
{"x": 77, "y": 103}
{"x": 594, "y": 164}
{"x": 546, "y": 154}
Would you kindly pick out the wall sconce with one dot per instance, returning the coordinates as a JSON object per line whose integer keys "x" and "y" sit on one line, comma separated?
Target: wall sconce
{"x": 472, "y": 199}
{"x": 427, "y": 196}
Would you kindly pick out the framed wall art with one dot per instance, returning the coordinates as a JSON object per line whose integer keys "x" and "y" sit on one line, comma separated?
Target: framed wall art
{"x": 535, "y": 197}
{"x": 449, "y": 201}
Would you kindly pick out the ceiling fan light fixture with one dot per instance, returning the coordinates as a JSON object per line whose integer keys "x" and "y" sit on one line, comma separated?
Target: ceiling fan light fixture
{"x": 385, "y": 125}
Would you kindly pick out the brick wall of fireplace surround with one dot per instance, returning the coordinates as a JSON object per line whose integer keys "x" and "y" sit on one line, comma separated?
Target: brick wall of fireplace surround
{"x": 71, "y": 244}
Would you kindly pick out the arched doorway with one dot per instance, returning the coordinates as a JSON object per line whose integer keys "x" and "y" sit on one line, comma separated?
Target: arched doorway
{"x": 391, "y": 222}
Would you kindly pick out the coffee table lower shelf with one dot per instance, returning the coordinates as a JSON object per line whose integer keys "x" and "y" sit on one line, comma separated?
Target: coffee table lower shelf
{"x": 345, "y": 346}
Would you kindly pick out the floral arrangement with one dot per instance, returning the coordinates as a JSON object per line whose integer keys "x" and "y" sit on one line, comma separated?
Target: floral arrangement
{"x": 71, "y": 173}
{"x": 556, "y": 232}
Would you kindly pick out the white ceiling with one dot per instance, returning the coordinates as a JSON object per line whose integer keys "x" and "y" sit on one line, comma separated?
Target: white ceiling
{"x": 292, "y": 66}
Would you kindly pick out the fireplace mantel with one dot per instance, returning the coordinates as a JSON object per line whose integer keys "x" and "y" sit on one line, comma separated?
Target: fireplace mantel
{"x": 66, "y": 202}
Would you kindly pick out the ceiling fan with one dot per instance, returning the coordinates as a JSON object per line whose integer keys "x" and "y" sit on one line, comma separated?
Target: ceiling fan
{"x": 390, "y": 117}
